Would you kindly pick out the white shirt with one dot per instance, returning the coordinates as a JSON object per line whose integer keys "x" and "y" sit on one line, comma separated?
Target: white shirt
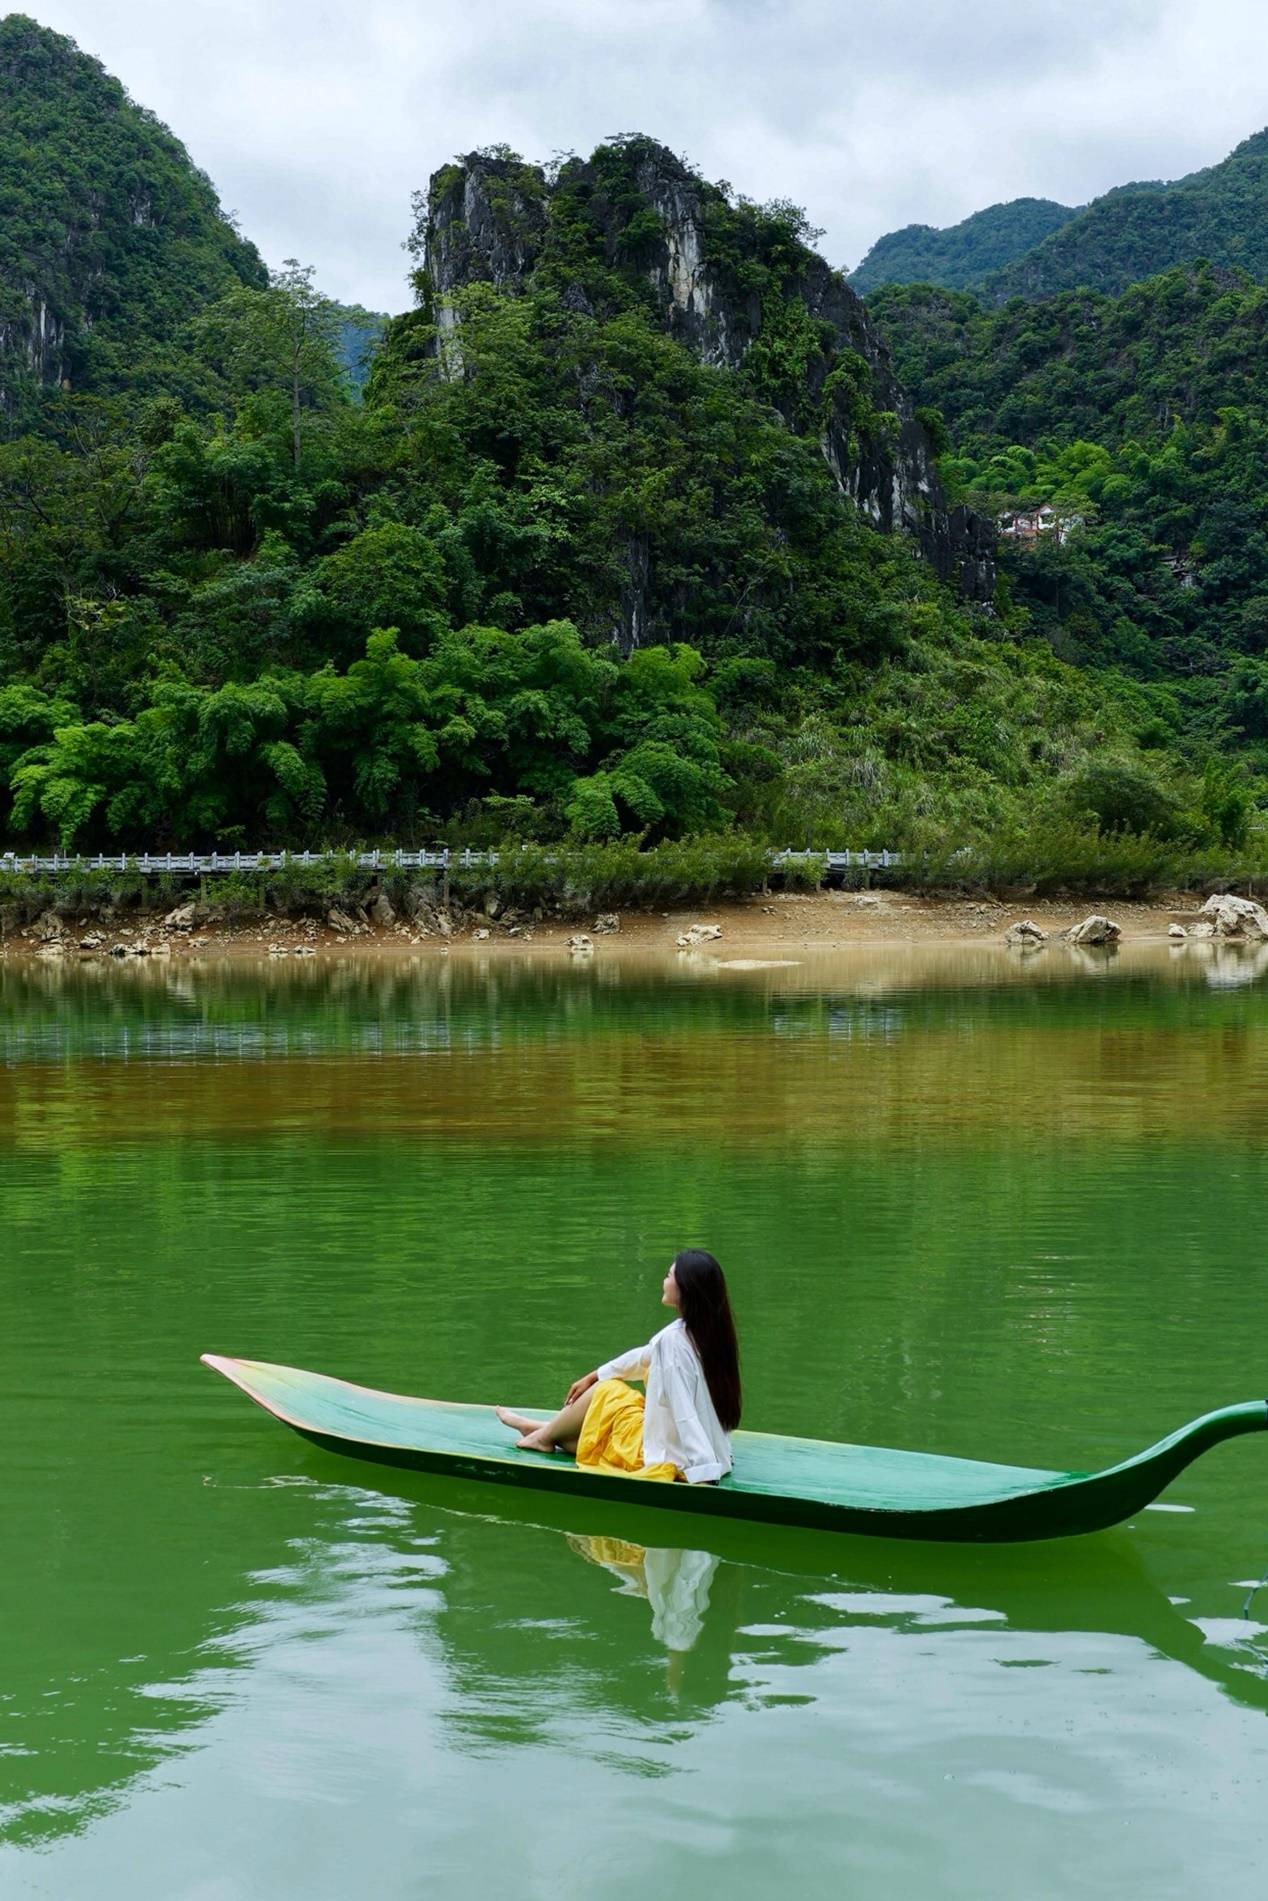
{"x": 680, "y": 1426}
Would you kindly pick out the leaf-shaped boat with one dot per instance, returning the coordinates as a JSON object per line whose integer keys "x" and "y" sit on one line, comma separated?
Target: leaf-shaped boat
{"x": 777, "y": 1480}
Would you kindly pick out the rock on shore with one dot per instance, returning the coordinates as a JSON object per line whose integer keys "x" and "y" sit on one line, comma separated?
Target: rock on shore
{"x": 1094, "y": 930}
{"x": 1236, "y": 917}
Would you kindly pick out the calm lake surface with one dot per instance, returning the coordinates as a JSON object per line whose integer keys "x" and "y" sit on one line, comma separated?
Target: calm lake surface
{"x": 1009, "y": 1212}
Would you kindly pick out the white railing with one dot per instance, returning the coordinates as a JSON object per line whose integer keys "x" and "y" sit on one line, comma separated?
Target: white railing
{"x": 200, "y": 864}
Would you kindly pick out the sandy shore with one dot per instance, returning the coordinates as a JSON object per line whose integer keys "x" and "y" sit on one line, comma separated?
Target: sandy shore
{"x": 771, "y": 928}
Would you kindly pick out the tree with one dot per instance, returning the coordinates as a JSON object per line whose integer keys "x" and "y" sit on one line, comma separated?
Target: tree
{"x": 285, "y": 339}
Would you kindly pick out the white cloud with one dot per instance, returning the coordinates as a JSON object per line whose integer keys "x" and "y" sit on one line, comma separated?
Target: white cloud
{"x": 317, "y": 121}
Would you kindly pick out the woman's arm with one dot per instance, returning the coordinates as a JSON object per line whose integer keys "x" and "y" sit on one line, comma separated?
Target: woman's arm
{"x": 626, "y": 1366}
{"x": 632, "y": 1365}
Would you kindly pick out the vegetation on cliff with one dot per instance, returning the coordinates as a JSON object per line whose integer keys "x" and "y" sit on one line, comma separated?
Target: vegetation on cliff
{"x": 552, "y": 577}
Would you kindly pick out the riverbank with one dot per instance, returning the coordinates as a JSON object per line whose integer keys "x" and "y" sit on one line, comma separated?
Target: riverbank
{"x": 769, "y": 927}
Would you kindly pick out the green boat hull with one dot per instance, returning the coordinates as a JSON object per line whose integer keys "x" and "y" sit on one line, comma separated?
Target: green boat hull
{"x": 780, "y": 1481}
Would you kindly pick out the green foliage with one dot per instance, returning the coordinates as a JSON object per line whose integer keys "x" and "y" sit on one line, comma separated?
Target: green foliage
{"x": 1064, "y": 858}
{"x": 1139, "y": 419}
{"x": 1120, "y": 795}
{"x": 590, "y": 877}
{"x": 282, "y": 340}
{"x": 557, "y": 581}
{"x": 110, "y": 238}
{"x": 1035, "y": 249}
{"x": 1139, "y": 230}
{"x": 962, "y": 255}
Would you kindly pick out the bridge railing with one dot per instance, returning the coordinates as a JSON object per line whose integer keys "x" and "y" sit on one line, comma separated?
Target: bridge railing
{"x": 202, "y": 864}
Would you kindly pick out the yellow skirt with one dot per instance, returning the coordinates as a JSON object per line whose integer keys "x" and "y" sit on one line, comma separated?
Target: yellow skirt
{"x": 612, "y": 1434}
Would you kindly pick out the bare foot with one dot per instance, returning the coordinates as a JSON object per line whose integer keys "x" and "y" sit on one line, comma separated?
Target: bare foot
{"x": 518, "y": 1422}
{"x": 533, "y": 1442}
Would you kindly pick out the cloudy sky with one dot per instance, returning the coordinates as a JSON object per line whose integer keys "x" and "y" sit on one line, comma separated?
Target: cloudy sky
{"x": 317, "y": 118}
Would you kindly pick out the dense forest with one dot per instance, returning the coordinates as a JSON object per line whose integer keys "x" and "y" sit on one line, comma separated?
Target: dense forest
{"x": 1140, "y": 420}
{"x": 1033, "y": 248}
{"x": 960, "y": 256}
{"x": 108, "y": 234}
{"x": 243, "y": 600}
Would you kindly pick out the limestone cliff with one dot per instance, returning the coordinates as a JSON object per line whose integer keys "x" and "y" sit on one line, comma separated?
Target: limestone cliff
{"x": 737, "y": 285}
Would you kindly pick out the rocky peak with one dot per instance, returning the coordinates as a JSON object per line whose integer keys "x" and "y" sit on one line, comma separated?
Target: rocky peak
{"x": 724, "y": 279}
{"x": 485, "y": 222}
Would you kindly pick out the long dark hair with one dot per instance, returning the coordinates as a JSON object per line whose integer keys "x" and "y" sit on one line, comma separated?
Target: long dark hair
{"x": 706, "y": 1314}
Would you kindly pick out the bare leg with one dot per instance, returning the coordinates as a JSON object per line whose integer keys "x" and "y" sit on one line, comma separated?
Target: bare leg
{"x": 563, "y": 1430}
{"x": 518, "y": 1422}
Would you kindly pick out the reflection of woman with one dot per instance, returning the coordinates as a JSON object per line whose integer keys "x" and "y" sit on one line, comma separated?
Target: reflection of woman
{"x": 682, "y": 1428}
{"x": 675, "y": 1583}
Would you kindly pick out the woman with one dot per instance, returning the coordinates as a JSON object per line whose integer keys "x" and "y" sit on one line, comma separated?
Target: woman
{"x": 691, "y": 1370}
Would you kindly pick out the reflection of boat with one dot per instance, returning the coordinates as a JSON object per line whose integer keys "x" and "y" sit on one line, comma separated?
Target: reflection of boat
{"x": 786, "y": 1600}
{"x": 674, "y": 1582}
{"x": 776, "y": 1480}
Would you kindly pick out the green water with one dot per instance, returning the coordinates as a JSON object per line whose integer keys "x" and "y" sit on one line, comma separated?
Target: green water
{"x": 1009, "y": 1213}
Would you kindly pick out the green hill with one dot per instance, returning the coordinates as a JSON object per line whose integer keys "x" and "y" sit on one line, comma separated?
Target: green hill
{"x": 110, "y": 238}
{"x": 1140, "y": 417}
{"x": 1220, "y": 214}
{"x": 959, "y": 256}
{"x": 1033, "y": 248}
{"x": 624, "y": 538}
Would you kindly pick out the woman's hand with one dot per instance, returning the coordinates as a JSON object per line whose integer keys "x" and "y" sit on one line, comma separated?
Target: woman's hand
{"x": 581, "y": 1386}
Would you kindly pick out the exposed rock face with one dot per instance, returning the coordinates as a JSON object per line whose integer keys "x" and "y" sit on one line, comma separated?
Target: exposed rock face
{"x": 489, "y": 219}
{"x": 486, "y": 223}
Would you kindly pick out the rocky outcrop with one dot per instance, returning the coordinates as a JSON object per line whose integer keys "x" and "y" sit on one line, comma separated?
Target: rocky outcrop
{"x": 490, "y": 218}
{"x": 1236, "y": 917}
{"x": 1094, "y": 930}
{"x": 1025, "y": 935}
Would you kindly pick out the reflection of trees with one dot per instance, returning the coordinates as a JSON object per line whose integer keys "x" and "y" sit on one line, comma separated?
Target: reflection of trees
{"x": 170, "y": 1010}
